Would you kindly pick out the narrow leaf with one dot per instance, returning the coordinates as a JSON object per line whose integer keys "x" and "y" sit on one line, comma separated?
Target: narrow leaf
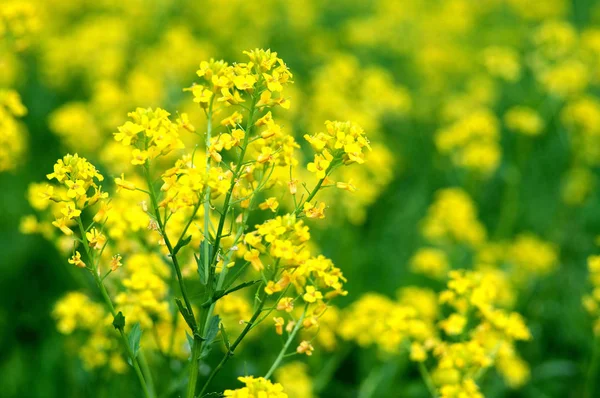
{"x": 181, "y": 243}
{"x": 190, "y": 339}
{"x": 240, "y": 286}
{"x": 204, "y": 246}
{"x": 189, "y": 318}
{"x": 211, "y": 333}
{"x": 201, "y": 268}
{"x": 225, "y": 337}
{"x": 135, "y": 334}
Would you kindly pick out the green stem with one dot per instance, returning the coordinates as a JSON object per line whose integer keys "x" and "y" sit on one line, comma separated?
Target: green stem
{"x": 207, "y": 192}
{"x": 146, "y": 372}
{"x": 327, "y": 372}
{"x": 111, "y": 307}
{"x": 369, "y": 387}
{"x": 193, "y": 378}
{"x": 591, "y": 377}
{"x": 163, "y": 231}
{"x": 234, "y": 177}
{"x": 197, "y": 327}
{"x": 427, "y": 379}
{"x": 237, "y": 341}
{"x": 310, "y": 196}
{"x": 286, "y": 346}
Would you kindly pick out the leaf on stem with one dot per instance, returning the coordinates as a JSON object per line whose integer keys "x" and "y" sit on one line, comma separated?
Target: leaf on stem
{"x": 119, "y": 321}
{"x": 187, "y": 316}
{"x": 181, "y": 243}
{"x": 211, "y": 333}
{"x": 203, "y": 260}
{"x": 135, "y": 334}
{"x": 190, "y": 339}
{"x": 225, "y": 337}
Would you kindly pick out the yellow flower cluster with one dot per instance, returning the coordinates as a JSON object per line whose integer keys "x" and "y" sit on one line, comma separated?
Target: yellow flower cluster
{"x": 431, "y": 262}
{"x": 531, "y": 256}
{"x": 247, "y": 154}
{"x": 256, "y": 388}
{"x": 377, "y": 320}
{"x": 150, "y": 134}
{"x": 487, "y": 335}
{"x": 294, "y": 376}
{"x": 475, "y": 336}
{"x": 524, "y": 120}
{"x": 472, "y": 142}
{"x": 19, "y": 22}
{"x": 452, "y": 217}
{"x": 80, "y": 179}
{"x": 77, "y": 313}
{"x": 591, "y": 302}
{"x": 343, "y": 141}
{"x": 12, "y": 139}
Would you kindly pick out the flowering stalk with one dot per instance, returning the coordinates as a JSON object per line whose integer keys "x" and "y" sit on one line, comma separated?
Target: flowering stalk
{"x": 286, "y": 346}
{"x": 591, "y": 377}
{"x": 277, "y": 249}
{"x": 99, "y": 282}
{"x": 233, "y": 346}
{"x": 427, "y": 379}
{"x": 163, "y": 233}
{"x": 196, "y": 347}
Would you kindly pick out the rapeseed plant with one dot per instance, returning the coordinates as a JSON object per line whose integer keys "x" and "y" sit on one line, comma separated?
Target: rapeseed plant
{"x": 198, "y": 218}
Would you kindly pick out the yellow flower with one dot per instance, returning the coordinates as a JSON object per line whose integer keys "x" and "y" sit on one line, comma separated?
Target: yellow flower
{"x": 76, "y": 188}
{"x": 313, "y": 211}
{"x": 454, "y": 325}
{"x": 253, "y": 256}
{"x": 286, "y": 304}
{"x": 305, "y": 348}
{"x": 271, "y": 203}
{"x": 230, "y": 98}
{"x": 184, "y": 122}
{"x": 76, "y": 260}
{"x": 311, "y": 294}
{"x": 417, "y": 352}
{"x": 61, "y": 223}
{"x": 346, "y": 186}
{"x": 70, "y": 211}
{"x": 279, "y": 322}
{"x": 244, "y": 82}
{"x": 122, "y": 184}
{"x": 256, "y": 388}
{"x": 202, "y": 95}
{"x": 115, "y": 262}
{"x": 233, "y": 120}
{"x": 128, "y": 133}
{"x": 431, "y": 262}
{"x": 138, "y": 157}
{"x": 320, "y": 165}
{"x": 96, "y": 239}
{"x": 524, "y": 120}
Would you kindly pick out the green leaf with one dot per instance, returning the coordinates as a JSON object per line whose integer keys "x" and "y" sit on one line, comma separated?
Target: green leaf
{"x": 240, "y": 286}
{"x": 220, "y": 293}
{"x": 181, "y": 243}
{"x": 203, "y": 260}
{"x": 119, "y": 321}
{"x": 201, "y": 268}
{"x": 211, "y": 333}
{"x": 187, "y": 316}
{"x": 225, "y": 337}
{"x": 190, "y": 339}
{"x": 135, "y": 334}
